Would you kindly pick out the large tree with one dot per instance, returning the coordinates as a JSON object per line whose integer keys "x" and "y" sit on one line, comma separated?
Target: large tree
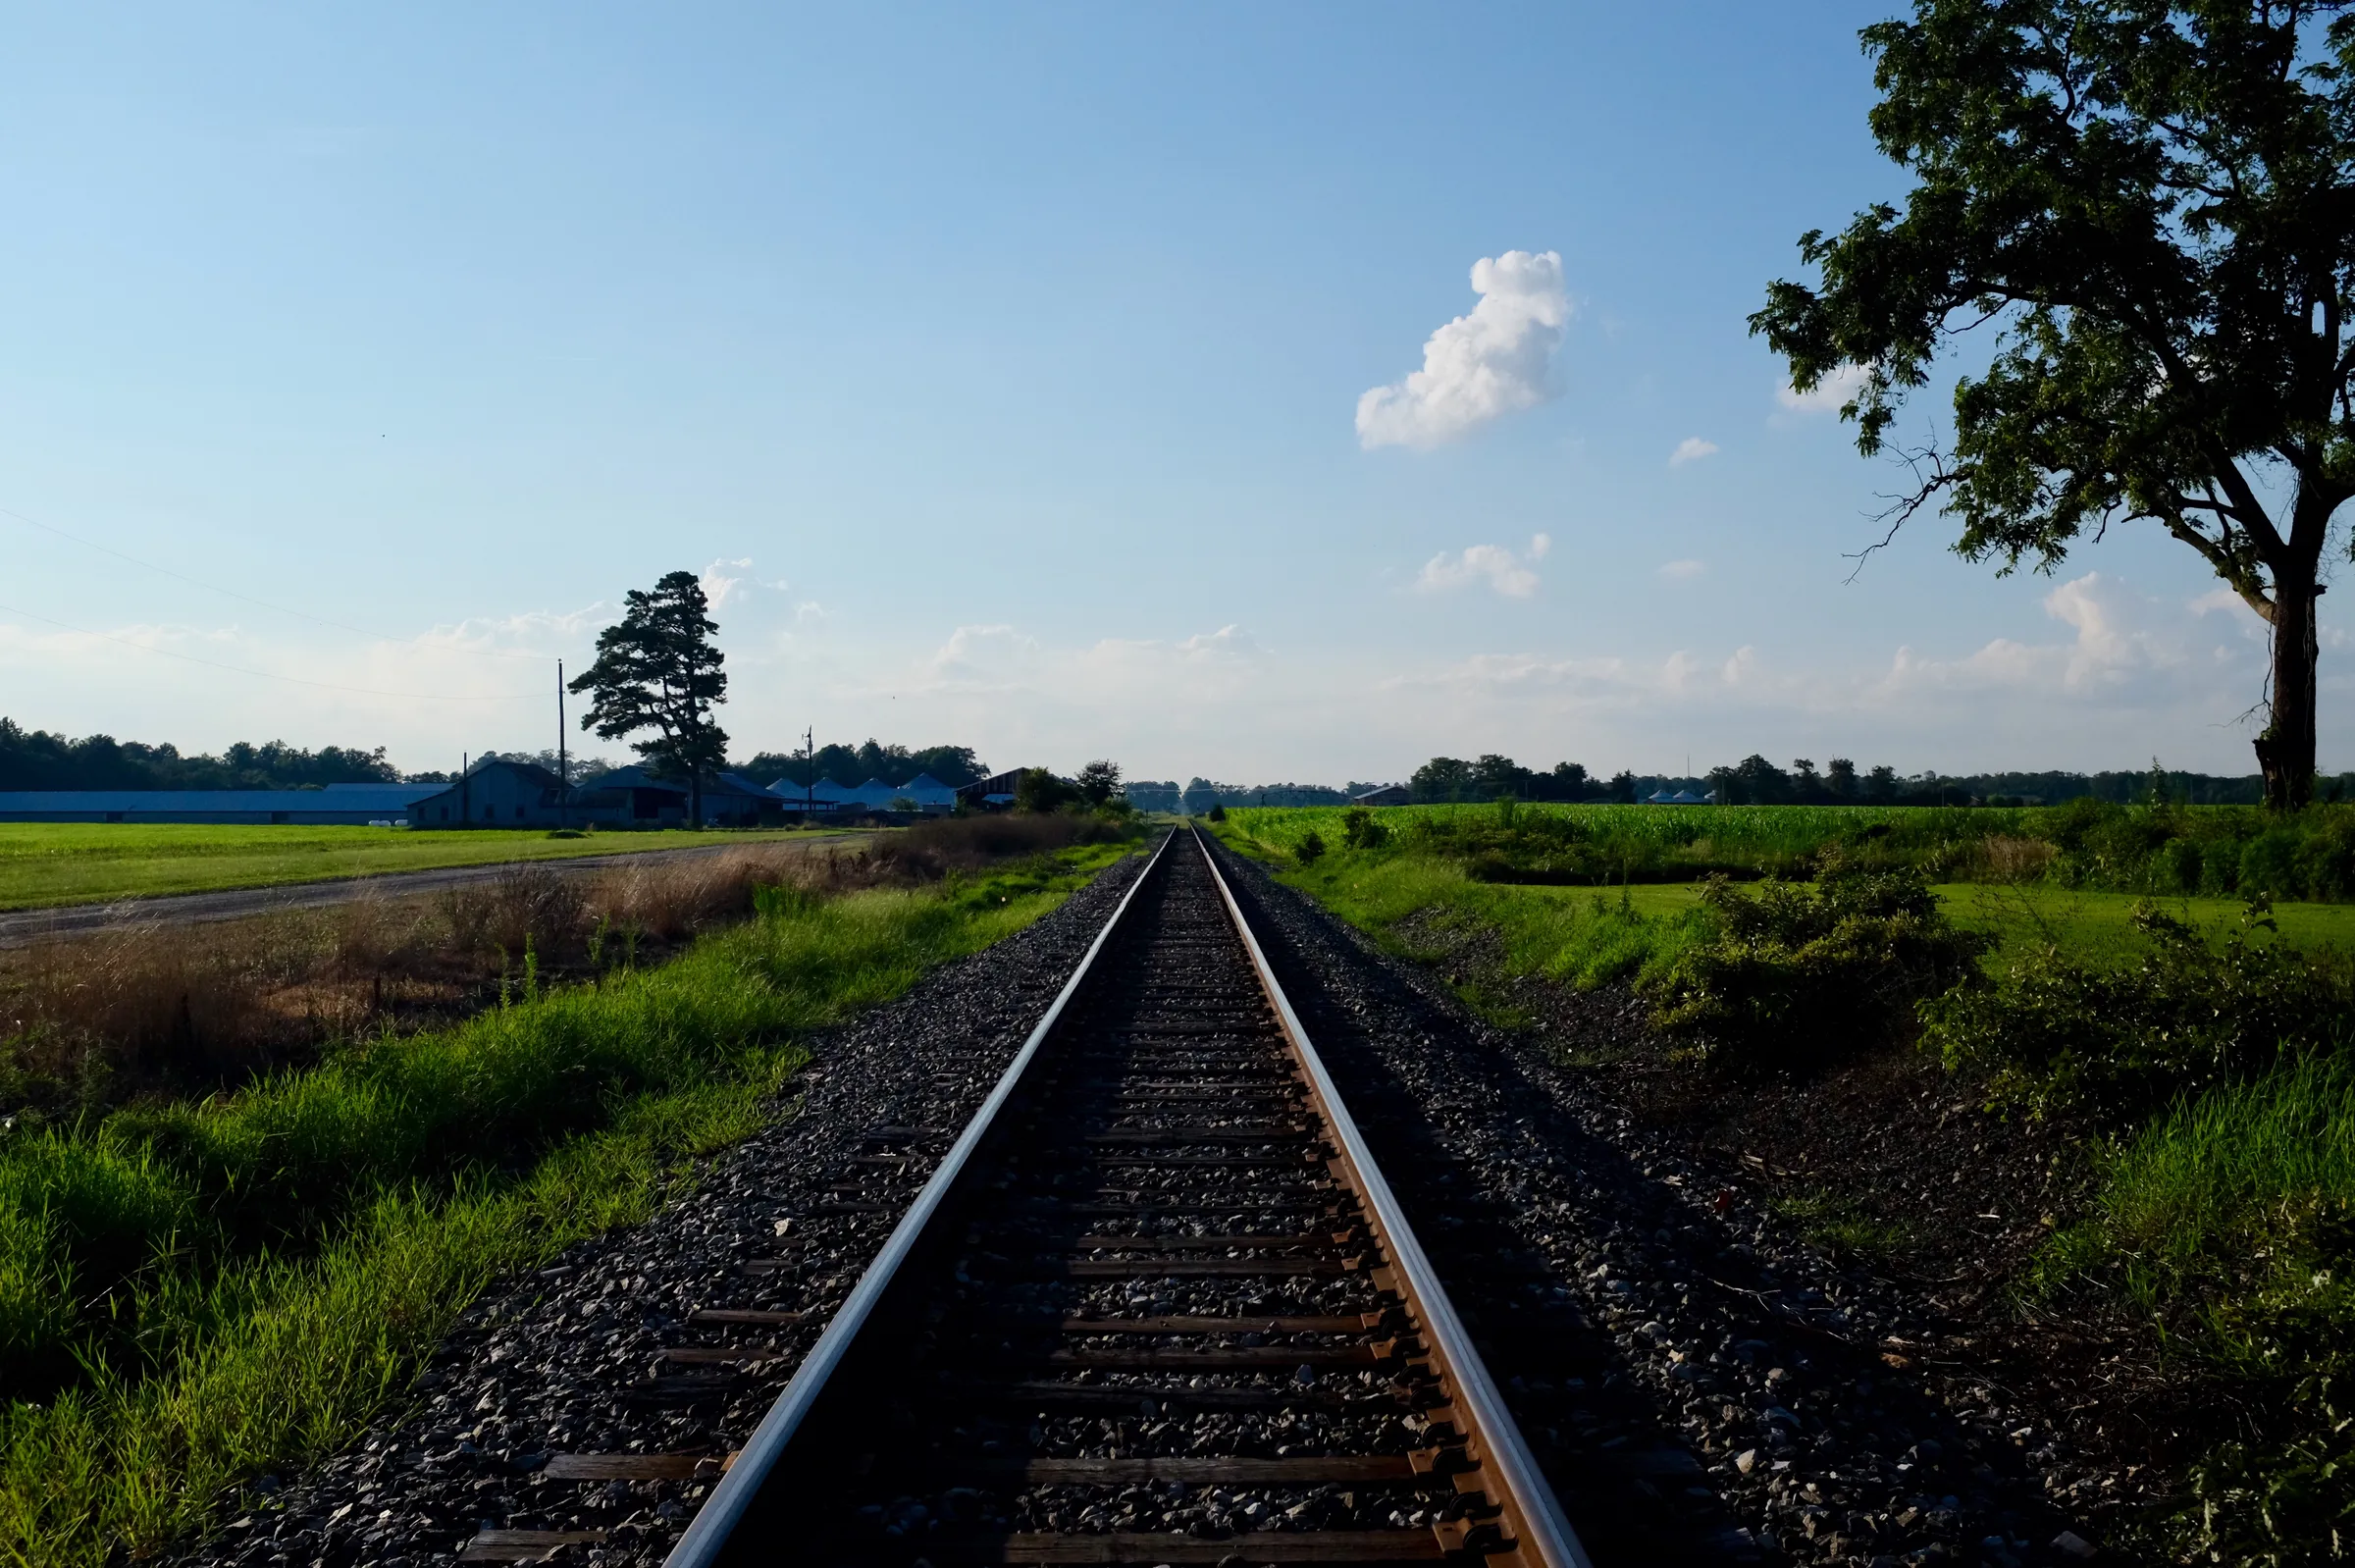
{"x": 2152, "y": 207}
{"x": 657, "y": 669}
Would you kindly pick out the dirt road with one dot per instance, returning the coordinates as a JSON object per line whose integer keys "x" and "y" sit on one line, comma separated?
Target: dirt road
{"x": 20, "y": 926}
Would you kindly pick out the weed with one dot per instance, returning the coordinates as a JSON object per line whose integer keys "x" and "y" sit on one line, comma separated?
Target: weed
{"x": 2184, "y": 1015}
{"x": 1840, "y": 1225}
{"x": 1798, "y": 977}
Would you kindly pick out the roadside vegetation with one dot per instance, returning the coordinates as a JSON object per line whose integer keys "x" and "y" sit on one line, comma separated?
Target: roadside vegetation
{"x": 196, "y": 1287}
{"x": 2159, "y": 850}
{"x": 143, "y": 1007}
{"x": 44, "y": 863}
{"x": 2199, "y": 1053}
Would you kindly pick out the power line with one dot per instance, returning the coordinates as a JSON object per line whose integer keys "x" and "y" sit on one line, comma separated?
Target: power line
{"x": 230, "y": 593}
{"x": 268, "y": 675}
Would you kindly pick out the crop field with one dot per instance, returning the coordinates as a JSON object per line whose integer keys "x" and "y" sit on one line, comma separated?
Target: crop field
{"x": 2159, "y": 849}
{"x": 45, "y": 864}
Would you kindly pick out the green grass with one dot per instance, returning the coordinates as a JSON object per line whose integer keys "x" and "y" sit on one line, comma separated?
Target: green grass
{"x": 2229, "y": 1224}
{"x": 193, "y": 1292}
{"x": 44, "y": 863}
{"x": 2171, "y": 849}
{"x": 1587, "y": 937}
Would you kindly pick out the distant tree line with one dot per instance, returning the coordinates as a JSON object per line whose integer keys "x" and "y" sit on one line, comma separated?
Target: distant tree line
{"x": 1491, "y": 777}
{"x": 856, "y": 764}
{"x": 37, "y": 759}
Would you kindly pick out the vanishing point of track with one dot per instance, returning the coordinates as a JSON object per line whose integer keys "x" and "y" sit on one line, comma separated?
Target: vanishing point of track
{"x": 1155, "y": 1304}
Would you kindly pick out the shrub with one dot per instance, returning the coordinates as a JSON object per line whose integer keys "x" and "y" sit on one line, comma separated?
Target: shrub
{"x": 2271, "y": 865}
{"x": 1310, "y": 848}
{"x": 1217, "y": 812}
{"x": 1038, "y": 790}
{"x": 1361, "y": 831}
{"x": 1799, "y": 977}
{"x": 2054, "y": 1030}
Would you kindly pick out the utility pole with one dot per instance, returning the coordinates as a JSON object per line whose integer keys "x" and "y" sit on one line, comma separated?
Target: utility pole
{"x": 808, "y": 776}
{"x": 465, "y": 791}
{"x": 563, "y": 773}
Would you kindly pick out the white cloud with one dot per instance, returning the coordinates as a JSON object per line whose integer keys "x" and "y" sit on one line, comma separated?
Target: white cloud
{"x": 1495, "y": 361}
{"x": 1677, "y": 571}
{"x": 1829, "y": 394}
{"x": 2127, "y": 644}
{"x": 1503, "y": 570}
{"x": 1691, "y": 450}
{"x": 723, "y": 577}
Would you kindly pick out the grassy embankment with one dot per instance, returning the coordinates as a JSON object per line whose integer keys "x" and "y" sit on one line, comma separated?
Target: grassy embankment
{"x": 44, "y": 863}
{"x": 193, "y": 1291}
{"x": 2169, "y": 851}
{"x": 2215, "y": 1055}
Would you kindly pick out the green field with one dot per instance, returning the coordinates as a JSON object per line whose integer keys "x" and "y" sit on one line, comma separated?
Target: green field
{"x": 45, "y": 864}
{"x": 2159, "y": 849}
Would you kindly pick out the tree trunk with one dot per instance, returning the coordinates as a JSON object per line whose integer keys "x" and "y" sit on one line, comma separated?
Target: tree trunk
{"x": 2285, "y": 750}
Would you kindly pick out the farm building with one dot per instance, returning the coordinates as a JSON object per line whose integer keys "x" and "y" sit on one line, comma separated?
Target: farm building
{"x": 995, "y": 789}
{"x": 827, "y": 797}
{"x": 354, "y": 805}
{"x": 824, "y": 798}
{"x": 1387, "y": 795}
{"x": 507, "y": 794}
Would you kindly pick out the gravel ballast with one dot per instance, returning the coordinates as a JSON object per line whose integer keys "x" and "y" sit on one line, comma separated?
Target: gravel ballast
{"x": 1699, "y": 1386}
{"x": 573, "y": 1358}
{"x": 1696, "y": 1326}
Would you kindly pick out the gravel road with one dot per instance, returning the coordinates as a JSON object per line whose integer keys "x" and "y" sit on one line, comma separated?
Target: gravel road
{"x": 1700, "y": 1385}
{"x": 20, "y": 926}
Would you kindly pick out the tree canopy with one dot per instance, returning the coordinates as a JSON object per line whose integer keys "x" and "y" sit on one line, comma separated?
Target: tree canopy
{"x": 38, "y": 760}
{"x": 854, "y": 764}
{"x": 658, "y": 669}
{"x": 2152, "y": 207}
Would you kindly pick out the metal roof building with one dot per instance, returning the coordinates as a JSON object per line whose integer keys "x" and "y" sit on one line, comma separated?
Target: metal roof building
{"x": 337, "y": 804}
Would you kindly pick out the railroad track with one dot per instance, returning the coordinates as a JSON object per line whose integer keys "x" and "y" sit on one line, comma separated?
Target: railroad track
{"x": 1155, "y": 1304}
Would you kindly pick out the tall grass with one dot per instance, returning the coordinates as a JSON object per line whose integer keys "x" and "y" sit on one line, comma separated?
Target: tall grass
{"x": 2236, "y": 1206}
{"x": 143, "y": 1008}
{"x": 2159, "y": 849}
{"x": 2229, "y": 1223}
{"x": 191, "y": 1290}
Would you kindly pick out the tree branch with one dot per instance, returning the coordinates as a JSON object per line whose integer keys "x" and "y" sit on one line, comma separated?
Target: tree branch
{"x": 1901, "y": 508}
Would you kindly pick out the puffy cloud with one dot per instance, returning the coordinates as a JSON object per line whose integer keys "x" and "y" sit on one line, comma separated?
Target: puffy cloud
{"x": 1479, "y": 367}
{"x": 723, "y": 577}
{"x": 1503, "y": 570}
{"x": 1829, "y": 394}
{"x": 1677, "y": 571}
{"x": 1691, "y": 450}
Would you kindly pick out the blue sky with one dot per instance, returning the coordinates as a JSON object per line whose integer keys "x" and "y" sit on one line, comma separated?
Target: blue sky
{"x": 1001, "y": 368}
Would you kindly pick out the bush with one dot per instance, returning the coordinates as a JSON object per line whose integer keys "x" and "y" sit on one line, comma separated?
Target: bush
{"x": 1361, "y": 831}
{"x": 1798, "y": 977}
{"x": 1217, "y": 812}
{"x": 1038, "y": 790}
{"x": 1310, "y": 849}
{"x": 2053, "y": 1029}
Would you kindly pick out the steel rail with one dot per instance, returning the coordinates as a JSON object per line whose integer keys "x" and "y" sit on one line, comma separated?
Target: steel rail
{"x": 707, "y": 1537}
{"x": 1527, "y": 1499}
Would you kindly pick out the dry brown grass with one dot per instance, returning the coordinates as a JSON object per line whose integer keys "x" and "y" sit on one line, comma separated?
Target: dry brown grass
{"x": 143, "y": 1008}
{"x": 2016, "y": 860}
